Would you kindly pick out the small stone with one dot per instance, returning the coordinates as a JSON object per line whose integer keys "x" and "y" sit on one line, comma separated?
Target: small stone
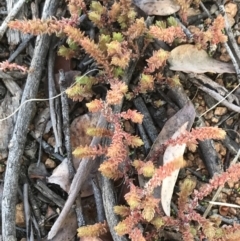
{"x": 209, "y": 115}
{"x": 224, "y": 57}
{"x": 214, "y": 120}
{"x": 231, "y": 9}
{"x": 233, "y": 211}
{"x": 51, "y": 141}
{"x": 190, "y": 156}
{"x": 213, "y": 9}
{"x": 19, "y": 219}
{"x": 229, "y": 122}
{"x": 223, "y": 51}
{"x": 192, "y": 12}
{"x": 215, "y": 211}
{"x": 220, "y": 111}
{"x": 231, "y": 20}
{"x": 223, "y": 197}
{"x": 202, "y": 103}
{"x": 237, "y": 200}
{"x": 50, "y": 163}
{"x": 217, "y": 146}
{"x": 128, "y": 127}
{"x": 207, "y": 123}
{"x": 223, "y": 150}
{"x": 230, "y": 184}
{"x": 192, "y": 147}
{"x": 227, "y": 191}
{"x": 201, "y": 109}
{"x": 199, "y": 163}
{"x": 236, "y": 186}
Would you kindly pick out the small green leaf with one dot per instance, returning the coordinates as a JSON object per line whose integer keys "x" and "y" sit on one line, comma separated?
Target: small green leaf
{"x": 172, "y": 22}
{"x": 118, "y": 37}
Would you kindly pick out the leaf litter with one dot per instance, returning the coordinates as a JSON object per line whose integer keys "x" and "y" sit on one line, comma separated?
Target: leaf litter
{"x": 185, "y": 58}
{"x": 160, "y": 8}
{"x": 189, "y": 59}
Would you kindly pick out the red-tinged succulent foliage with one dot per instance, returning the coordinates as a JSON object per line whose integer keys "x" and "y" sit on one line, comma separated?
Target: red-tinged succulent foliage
{"x": 6, "y": 66}
{"x": 213, "y": 35}
{"x": 93, "y": 230}
{"x": 184, "y": 6}
{"x": 163, "y": 172}
{"x": 133, "y": 198}
{"x": 167, "y": 35}
{"x": 101, "y": 132}
{"x": 122, "y": 210}
{"x": 146, "y": 83}
{"x": 137, "y": 29}
{"x": 136, "y": 235}
{"x": 95, "y": 105}
{"x": 200, "y": 134}
{"x": 126, "y": 226}
{"x": 116, "y": 93}
{"x": 158, "y": 60}
{"x": 88, "y": 151}
{"x": 78, "y": 92}
{"x": 76, "y": 6}
{"x": 233, "y": 174}
{"x": 149, "y": 206}
{"x": 147, "y": 169}
{"x": 132, "y": 115}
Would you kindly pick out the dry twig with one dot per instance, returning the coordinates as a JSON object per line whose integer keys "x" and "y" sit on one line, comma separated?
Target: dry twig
{"x": 17, "y": 143}
{"x": 10, "y": 17}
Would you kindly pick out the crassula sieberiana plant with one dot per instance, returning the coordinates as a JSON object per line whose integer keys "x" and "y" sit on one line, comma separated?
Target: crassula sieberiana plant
{"x": 119, "y": 29}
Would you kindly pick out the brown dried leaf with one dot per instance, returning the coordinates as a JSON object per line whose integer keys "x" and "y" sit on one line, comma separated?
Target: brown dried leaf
{"x": 156, "y": 7}
{"x": 174, "y": 127}
{"x": 68, "y": 229}
{"x": 20, "y": 217}
{"x": 37, "y": 171}
{"x": 231, "y": 9}
{"x": 60, "y": 176}
{"x": 182, "y": 119}
{"x": 188, "y": 58}
{"x": 171, "y": 154}
{"x": 78, "y": 133}
{"x": 187, "y": 113}
{"x": 79, "y": 137}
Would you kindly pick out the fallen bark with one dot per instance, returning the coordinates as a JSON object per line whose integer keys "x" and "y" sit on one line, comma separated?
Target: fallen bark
{"x": 18, "y": 140}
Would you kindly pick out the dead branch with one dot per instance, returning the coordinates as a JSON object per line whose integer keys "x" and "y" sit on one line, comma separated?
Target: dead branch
{"x": 54, "y": 104}
{"x": 65, "y": 120}
{"x": 83, "y": 172}
{"x": 10, "y": 17}
{"x": 17, "y": 143}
